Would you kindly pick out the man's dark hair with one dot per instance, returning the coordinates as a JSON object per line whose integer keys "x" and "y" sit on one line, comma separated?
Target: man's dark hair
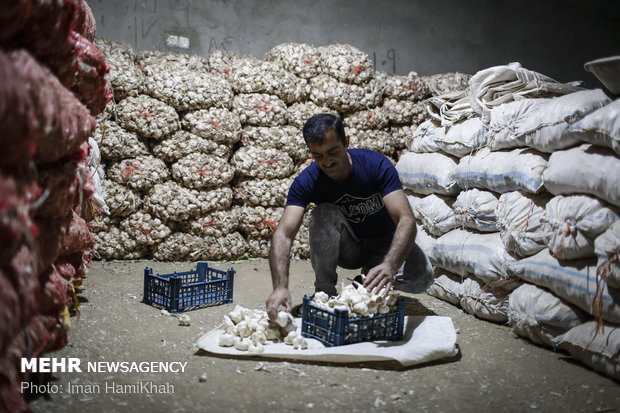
{"x": 317, "y": 126}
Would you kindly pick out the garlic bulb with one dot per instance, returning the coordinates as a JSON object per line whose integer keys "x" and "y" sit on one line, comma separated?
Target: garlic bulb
{"x": 148, "y": 117}
{"x": 217, "y": 124}
{"x": 249, "y": 330}
{"x": 183, "y": 143}
{"x": 259, "y": 109}
{"x": 358, "y": 301}
{"x": 141, "y": 172}
{"x": 118, "y": 143}
{"x": 198, "y": 170}
{"x": 300, "y": 59}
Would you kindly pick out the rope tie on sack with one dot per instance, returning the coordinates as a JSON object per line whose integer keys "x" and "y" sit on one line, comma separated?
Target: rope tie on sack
{"x": 527, "y": 219}
{"x": 564, "y": 235}
{"x": 596, "y": 306}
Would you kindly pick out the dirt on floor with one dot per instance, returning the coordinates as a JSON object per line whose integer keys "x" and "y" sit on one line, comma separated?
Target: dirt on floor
{"x": 494, "y": 371}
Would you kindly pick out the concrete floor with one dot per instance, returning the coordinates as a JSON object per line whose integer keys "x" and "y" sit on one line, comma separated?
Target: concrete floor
{"x": 495, "y": 370}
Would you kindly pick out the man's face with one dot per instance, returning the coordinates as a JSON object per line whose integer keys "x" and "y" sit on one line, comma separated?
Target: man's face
{"x": 331, "y": 156}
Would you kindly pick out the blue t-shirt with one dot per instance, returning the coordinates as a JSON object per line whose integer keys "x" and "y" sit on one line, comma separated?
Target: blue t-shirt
{"x": 360, "y": 197}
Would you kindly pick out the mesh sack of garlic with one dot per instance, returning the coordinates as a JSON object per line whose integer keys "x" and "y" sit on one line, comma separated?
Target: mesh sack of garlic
{"x": 217, "y": 124}
{"x": 121, "y": 200}
{"x": 357, "y": 301}
{"x": 183, "y": 143}
{"x": 400, "y": 135}
{"x": 117, "y": 244}
{"x": 144, "y": 228}
{"x": 215, "y": 223}
{"x": 344, "y": 97}
{"x": 184, "y": 246}
{"x": 403, "y": 87}
{"x": 257, "y": 162}
{"x": 149, "y": 60}
{"x": 221, "y": 61}
{"x": 258, "y": 247}
{"x": 262, "y": 192}
{"x": 118, "y": 143}
{"x": 375, "y": 118}
{"x": 198, "y": 170}
{"x": 345, "y": 63}
{"x": 259, "y": 222}
{"x": 148, "y": 117}
{"x": 405, "y": 111}
{"x": 301, "y": 59}
{"x": 214, "y": 199}
{"x": 140, "y": 173}
{"x": 285, "y": 138}
{"x": 250, "y": 330}
{"x": 444, "y": 83}
{"x": 125, "y": 76}
{"x": 259, "y": 109}
{"x": 378, "y": 140}
{"x": 103, "y": 223}
{"x": 172, "y": 202}
{"x": 258, "y": 76}
{"x": 186, "y": 89}
{"x": 301, "y": 244}
{"x": 298, "y": 113}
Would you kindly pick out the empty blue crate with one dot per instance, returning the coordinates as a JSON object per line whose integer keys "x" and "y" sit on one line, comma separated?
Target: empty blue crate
{"x": 180, "y": 291}
{"x": 335, "y": 328}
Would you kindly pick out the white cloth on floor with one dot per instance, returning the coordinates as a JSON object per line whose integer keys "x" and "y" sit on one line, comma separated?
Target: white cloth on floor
{"x": 426, "y": 339}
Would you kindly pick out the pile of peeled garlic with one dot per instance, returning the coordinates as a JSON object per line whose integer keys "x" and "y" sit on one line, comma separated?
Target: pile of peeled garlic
{"x": 250, "y": 330}
{"x": 358, "y": 301}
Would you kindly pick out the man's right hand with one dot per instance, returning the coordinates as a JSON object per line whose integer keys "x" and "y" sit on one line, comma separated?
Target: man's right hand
{"x": 279, "y": 297}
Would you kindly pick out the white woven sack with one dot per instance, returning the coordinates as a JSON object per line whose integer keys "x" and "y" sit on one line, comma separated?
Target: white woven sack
{"x": 425, "y": 137}
{"x": 518, "y": 169}
{"x": 607, "y": 250}
{"x": 475, "y": 209}
{"x": 598, "y": 351}
{"x": 424, "y": 241}
{"x": 571, "y": 223}
{"x": 541, "y": 316}
{"x": 501, "y": 84}
{"x": 483, "y": 301}
{"x": 503, "y": 130}
{"x": 450, "y": 108}
{"x": 465, "y": 253}
{"x": 574, "y": 280}
{"x": 601, "y": 127}
{"x": 518, "y": 217}
{"x": 428, "y": 173}
{"x": 446, "y": 289}
{"x": 585, "y": 169}
{"x": 435, "y": 214}
{"x": 463, "y": 138}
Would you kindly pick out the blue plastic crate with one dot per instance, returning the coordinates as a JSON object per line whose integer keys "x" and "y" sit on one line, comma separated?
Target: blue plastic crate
{"x": 335, "y": 328}
{"x": 181, "y": 291}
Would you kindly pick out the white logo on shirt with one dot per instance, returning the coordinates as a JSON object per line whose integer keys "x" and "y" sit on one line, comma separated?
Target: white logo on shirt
{"x": 357, "y": 209}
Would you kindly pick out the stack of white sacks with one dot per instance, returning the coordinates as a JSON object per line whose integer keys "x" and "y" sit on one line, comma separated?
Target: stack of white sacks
{"x": 514, "y": 184}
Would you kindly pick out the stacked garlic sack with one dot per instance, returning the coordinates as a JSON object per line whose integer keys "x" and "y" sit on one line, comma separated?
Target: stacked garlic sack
{"x": 249, "y": 330}
{"x": 358, "y": 301}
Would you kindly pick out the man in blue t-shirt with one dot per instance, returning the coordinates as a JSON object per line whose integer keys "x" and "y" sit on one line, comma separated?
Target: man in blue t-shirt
{"x": 362, "y": 219}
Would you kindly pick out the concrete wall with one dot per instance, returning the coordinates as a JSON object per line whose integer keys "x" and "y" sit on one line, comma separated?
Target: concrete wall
{"x": 554, "y": 37}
